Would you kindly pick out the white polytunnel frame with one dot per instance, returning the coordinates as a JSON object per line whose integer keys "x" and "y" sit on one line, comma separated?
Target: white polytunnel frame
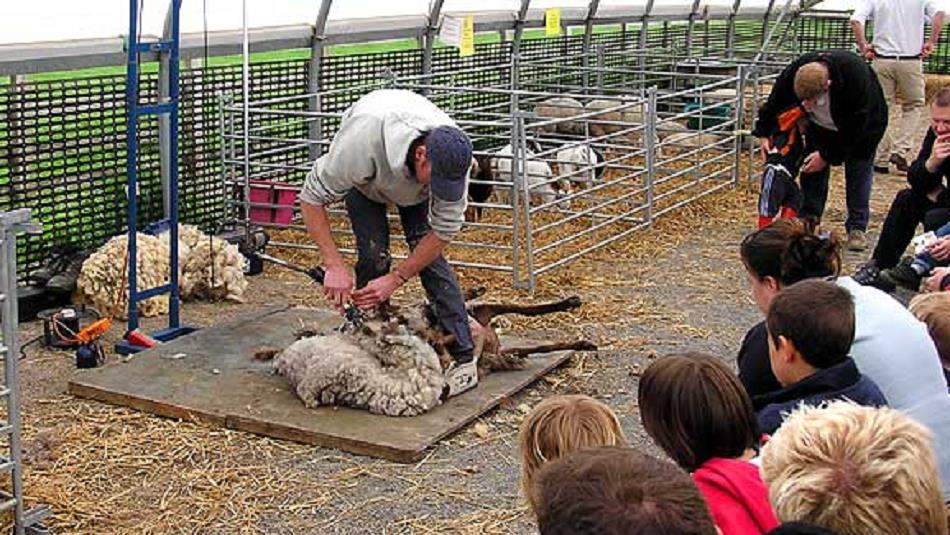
{"x": 56, "y": 35}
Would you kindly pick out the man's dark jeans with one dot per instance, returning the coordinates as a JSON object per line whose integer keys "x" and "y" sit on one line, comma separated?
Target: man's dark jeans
{"x": 858, "y": 176}
{"x": 909, "y": 209}
{"x": 371, "y": 228}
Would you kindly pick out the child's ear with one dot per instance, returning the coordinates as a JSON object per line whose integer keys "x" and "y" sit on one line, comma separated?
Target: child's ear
{"x": 786, "y": 348}
{"x": 771, "y": 283}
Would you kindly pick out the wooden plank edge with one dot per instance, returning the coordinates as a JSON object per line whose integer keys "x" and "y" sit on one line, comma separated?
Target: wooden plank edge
{"x": 145, "y": 405}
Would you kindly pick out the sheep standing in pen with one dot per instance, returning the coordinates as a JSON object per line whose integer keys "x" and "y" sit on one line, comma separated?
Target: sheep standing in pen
{"x": 209, "y": 268}
{"x": 394, "y": 364}
{"x": 579, "y": 164}
{"x": 539, "y": 176}
{"x": 610, "y": 122}
{"x": 560, "y": 108}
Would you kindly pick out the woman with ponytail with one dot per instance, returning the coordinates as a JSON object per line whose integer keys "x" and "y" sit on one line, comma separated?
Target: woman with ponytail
{"x": 890, "y": 346}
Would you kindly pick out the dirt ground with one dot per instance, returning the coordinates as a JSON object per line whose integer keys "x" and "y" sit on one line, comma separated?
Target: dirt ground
{"x": 678, "y": 286}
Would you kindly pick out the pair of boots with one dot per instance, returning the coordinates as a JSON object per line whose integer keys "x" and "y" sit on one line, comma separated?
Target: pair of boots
{"x": 60, "y": 270}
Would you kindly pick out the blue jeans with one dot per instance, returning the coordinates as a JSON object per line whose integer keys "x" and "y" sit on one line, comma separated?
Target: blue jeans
{"x": 371, "y": 228}
{"x": 858, "y": 176}
{"x": 924, "y": 260}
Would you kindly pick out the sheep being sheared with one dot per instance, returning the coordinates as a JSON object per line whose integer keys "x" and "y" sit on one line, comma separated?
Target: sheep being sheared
{"x": 394, "y": 364}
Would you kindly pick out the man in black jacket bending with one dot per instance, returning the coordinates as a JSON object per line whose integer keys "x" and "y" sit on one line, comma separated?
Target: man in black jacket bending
{"x": 847, "y": 118}
{"x": 926, "y": 201}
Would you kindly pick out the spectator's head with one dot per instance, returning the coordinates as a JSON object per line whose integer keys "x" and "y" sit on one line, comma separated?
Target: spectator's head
{"x": 855, "y": 470}
{"x": 560, "y": 425}
{"x": 784, "y": 253}
{"x": 812, "y": 80}
{"x": 695, "y": 408}
{"x": 934, "y": 310}
{"x": 940, "y": 111}
{"x": 811, "y": 326}
{"x": 618, "y": 491}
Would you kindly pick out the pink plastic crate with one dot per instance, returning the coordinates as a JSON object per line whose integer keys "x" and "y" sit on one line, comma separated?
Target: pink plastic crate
{"x": 266, "y": 192}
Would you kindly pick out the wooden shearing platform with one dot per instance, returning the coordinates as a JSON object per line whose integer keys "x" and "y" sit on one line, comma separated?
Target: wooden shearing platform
{"x": 212, "y": 376}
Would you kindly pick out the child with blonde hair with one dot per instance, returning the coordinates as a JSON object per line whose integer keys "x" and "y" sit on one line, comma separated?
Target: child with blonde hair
{"x": 561, "y": 425}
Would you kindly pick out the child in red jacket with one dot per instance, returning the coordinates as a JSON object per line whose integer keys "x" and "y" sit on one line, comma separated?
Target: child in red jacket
{"x": 695, "y": 409}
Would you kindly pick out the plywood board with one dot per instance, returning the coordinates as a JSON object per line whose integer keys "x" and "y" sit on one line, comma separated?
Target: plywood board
{"x": 211, "y": 375}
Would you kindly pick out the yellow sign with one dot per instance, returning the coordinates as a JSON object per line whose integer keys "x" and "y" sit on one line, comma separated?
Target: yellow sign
{"x": 467, "y": 46}
{"x": 552, "y": 21}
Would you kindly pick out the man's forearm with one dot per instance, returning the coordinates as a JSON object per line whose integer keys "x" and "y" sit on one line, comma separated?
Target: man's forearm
{"x": 318, "y": 227}
{"x": 859, "y": 36}
{"x": 427, "y": 250}
{"x": 936, "y": 27}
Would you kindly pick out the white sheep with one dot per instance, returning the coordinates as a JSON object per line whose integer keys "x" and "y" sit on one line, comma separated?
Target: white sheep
{"x": 397, "y": 374}
{"x": 629, "y": 117}
{"x": 560, "y": 108}
{"x": 689, "y": 141}
{"x": 537, "y": 172}
{"x": 393, "y": 364}
{"x": 579, "y": 164}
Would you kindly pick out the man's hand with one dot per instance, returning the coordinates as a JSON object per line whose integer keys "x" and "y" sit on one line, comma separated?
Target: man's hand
{"x": 764, "y": 146}
{"x": 932, "y": 283}
{"x": 940, "y": 249}
{"x": 927, "y": 50}
{"x": 868, "y": 51}
{"x": 337, "y": 285}
{"x": 813, "y": 163}
{"x": 938, "y": 153}
{"x": 377, "y": 291}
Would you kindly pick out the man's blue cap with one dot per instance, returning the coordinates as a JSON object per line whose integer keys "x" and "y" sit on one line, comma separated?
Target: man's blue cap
{"x": 450, "y": 154}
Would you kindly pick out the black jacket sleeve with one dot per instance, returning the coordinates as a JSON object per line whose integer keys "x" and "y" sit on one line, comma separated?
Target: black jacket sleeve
{"x": 850, "y": 92}
{"x": 921, "y": 180}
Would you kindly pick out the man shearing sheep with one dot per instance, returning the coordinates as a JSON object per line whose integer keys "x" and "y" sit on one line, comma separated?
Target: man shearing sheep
{"x": 396, "y": 147}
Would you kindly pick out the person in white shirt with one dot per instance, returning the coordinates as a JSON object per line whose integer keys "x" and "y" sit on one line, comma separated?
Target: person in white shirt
{"x": 896, "y": 55}
{"x": 396, "y": 147}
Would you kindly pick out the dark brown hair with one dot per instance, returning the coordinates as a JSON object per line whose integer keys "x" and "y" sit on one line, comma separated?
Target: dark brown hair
{"x": 619, "y": 491}
{"x": 694, "y": 407}
{"x": 818, "y": 317}
{"x": 789, "y": 251}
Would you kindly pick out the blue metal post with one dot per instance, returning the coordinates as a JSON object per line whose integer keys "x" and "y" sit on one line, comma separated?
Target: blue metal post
{"x": 173, "y": 74}
{"x": 132, "y": 145}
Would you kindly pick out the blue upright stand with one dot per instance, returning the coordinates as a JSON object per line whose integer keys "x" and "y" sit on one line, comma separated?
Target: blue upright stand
{"x": 169, "y": 107}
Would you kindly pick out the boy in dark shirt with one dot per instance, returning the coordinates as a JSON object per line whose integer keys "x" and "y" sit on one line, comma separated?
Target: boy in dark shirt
{"x": 811, "y": 328}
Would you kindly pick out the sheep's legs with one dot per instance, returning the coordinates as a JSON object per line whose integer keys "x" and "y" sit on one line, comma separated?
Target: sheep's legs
{"x": 483, "y": 313}
{"x": 580, "y": 345}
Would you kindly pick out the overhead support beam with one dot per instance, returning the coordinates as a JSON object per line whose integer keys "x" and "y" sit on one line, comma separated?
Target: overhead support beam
{"x": 731, "y": 29}
{"x": 689, "y": 28}
{"x": 588, "y": 37}
{"x": 314, "y": 71}
{"x": 765, "y": 20}
{"x": 435, "y": 12}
